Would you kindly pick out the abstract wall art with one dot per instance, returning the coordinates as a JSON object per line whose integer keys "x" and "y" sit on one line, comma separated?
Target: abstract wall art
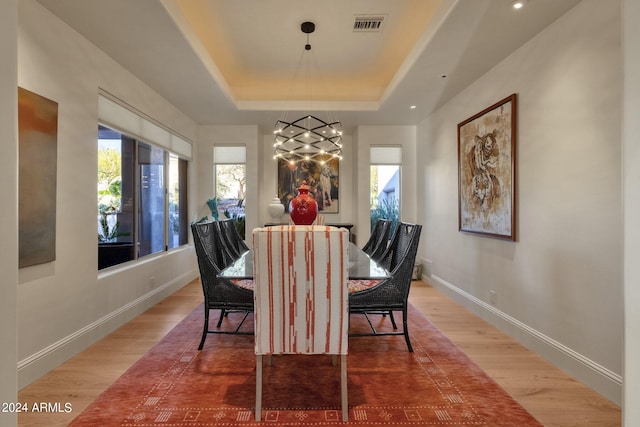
{"x": 37, "y": 146}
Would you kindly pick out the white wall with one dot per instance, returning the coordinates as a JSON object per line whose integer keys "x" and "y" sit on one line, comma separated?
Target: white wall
{"x": 9, "y": 212}
{"x": 66, "y": 305}
{"x": 404, "y": 137}
{"x": 631, "y": 148}
{"x": 559, "y": 287}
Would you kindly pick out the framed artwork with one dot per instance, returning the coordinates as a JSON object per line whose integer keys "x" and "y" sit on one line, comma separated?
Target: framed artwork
{"x": 487, "y": 171}
{"x": 322, "y": 178}
{"x": 37, "y": 165}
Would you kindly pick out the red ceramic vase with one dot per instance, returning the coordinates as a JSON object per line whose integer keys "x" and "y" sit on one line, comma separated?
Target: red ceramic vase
{"x": 304, "y": 208}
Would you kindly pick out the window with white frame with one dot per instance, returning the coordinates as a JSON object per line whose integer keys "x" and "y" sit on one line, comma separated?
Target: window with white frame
{"x": 384, "y": 185}
{"x": 230, "y": 183}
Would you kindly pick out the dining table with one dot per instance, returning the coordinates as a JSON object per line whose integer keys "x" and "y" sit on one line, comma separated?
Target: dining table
{"x": 361, "y": 266}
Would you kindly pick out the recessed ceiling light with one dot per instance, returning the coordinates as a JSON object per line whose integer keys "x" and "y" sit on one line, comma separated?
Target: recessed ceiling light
{"x": 413, "y": 107}
{"x": 518, "y": 4}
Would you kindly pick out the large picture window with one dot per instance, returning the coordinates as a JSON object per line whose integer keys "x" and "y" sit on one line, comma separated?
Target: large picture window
{"x": 142, "y": 206}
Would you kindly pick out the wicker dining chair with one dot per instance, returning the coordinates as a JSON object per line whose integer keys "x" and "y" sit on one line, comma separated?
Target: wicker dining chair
{"x": 377, "y": 243}
{"x": 391, "y": 294}
{"x": 386, "y": 233}
{"x": 234, "y": 244}
{"x": 301, "y": 300}
{"x": 219, "y": 293}
{"x": 370, "y": 245}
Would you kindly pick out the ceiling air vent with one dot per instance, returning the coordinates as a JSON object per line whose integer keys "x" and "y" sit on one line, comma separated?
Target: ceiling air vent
{"x": 368, "y": 23}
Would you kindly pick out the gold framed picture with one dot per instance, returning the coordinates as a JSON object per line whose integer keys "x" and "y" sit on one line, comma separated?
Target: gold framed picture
{"x": 487, "y": 171}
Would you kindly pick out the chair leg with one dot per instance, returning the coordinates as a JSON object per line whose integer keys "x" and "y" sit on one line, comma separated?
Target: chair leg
{"x": 406, "y": 330}
{"x": 343, "y": 388}
{"x": 393, "y": 320}
{"x": 222, "y": 315}
{"x": 206, "y": 327}
{"x": 258, "y": 413}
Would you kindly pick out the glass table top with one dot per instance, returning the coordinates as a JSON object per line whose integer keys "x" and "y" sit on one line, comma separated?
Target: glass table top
{"x": 361, "y": 266}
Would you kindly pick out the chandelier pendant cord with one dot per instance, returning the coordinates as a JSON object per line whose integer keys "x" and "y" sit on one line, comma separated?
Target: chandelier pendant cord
{"x": 308, "y": 138}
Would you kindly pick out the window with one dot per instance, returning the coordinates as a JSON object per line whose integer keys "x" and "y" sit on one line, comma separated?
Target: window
{"x": 115, "y": 198}
{"x": 230, "y": 175}
{"x": 385, "y": 183}
{"x": 151, "y": 204}
{"x": 177, "y": 192}
{"x": 138, "y": 214}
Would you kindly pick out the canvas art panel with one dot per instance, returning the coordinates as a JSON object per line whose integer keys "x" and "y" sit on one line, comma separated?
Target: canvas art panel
{"x": 486, "y": 171}
{"x": 37, "y": 142}
{"x": 322, "y": 178}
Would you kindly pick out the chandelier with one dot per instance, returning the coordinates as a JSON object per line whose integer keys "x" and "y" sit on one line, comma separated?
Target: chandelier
{"x": 307, "y": 138}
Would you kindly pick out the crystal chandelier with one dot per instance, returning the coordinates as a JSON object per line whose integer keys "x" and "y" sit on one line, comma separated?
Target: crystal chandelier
{"x": 307, "y": 138}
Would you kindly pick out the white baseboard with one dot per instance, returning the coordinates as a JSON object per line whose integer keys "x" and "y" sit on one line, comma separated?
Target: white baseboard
{"x": 585, "y": 370}
{"x": 36, "y": 365}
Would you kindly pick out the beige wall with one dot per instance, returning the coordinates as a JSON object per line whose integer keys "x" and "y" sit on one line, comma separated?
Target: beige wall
{"x": 66, "y": 305}
{"x": 9, "y": 212}
{"x": 631, "y": 148}
{"x": 559, "y": 287}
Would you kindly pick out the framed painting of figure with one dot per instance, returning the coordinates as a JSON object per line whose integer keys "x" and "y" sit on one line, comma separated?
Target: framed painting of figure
{"x": 322, "y": 178}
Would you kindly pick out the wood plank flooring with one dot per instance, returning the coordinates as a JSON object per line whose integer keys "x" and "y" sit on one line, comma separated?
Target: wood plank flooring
{"x": 549, "y": 394}
{"x": 553, "y": 397}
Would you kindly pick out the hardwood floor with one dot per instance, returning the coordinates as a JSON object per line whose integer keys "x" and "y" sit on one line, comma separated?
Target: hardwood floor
{"x": 550, "y": 395}
{"x": 553, "y": 397}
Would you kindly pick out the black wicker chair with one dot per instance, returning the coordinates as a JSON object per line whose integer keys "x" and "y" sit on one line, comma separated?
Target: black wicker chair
{"x": 391, "y": 294}
{"x": 232, "y": 248}
{"x": 374, "y": 238}
{"x": 232, "y": 240}
{"x": 219, "y": 293}
{"x": 384, "y": 235}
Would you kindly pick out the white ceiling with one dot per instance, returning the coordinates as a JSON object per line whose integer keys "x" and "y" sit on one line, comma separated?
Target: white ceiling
{"x": 244, "y": 62}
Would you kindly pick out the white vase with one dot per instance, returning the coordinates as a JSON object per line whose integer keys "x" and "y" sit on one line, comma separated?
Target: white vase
{"x": 276, "y": 209}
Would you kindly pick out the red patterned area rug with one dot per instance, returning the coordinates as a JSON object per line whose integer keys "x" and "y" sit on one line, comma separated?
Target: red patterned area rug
{"x": 174, "y": 384}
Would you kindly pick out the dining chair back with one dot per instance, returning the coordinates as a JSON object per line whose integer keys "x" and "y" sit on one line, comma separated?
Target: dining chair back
{"x": 385, "y": 233}
{"x": 233, "y": 242}
{"x": 404, "y": 238}
{"x": 219, "y": 293}
{"x": 370, "y": 245}
{"x": 379, "y": 235}
{"x": 301, "y": 301}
